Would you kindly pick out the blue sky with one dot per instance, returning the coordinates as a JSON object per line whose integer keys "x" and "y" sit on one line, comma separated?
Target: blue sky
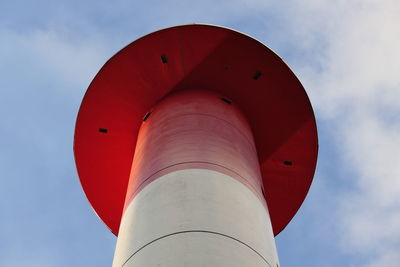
{"x": 346, "y": 53}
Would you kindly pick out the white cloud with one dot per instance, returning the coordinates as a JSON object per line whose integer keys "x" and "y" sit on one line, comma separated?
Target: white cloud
{"x": 68, "y": 59}
{"x": 357, "y": 88}
{"x": 43, "y": 76}
{"x": 53, "y": 54}
{"x": 390, "y": 258}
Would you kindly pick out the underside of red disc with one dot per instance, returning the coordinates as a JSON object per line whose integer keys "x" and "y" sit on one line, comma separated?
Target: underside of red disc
{"x": 196, "y": 57}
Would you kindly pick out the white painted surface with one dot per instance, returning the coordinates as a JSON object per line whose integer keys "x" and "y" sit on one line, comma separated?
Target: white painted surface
{"x": 196, "y": 250}
{"x": 195, "y": 217}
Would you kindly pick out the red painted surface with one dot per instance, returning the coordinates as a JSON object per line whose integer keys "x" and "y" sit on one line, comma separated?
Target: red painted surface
{"x": 195, "y": 129}
{"x": 198, "y": 57}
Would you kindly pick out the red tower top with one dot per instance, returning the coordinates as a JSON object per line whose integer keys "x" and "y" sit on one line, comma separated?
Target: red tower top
{"x": 196, "y": 57}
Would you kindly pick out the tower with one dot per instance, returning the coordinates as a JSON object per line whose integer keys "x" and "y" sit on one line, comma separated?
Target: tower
{"x": 195, "y": 145}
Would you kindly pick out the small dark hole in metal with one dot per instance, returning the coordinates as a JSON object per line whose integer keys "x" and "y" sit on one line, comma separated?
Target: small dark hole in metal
{"x": 226, "y": 68}
{"x": 147, "y": 116}
{"x": 257, "y": 75}
{"x": 164, "y": 59}
{"x": 103, "y": 130}
{"x": 289, "y": 163}
{"x": 226, "y": 100}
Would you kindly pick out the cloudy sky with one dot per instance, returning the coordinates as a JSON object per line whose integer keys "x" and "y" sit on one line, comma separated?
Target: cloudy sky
{"x": 346, "y": 53}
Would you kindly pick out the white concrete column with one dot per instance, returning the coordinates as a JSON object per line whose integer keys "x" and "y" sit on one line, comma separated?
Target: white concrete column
{"x": 196, "y": 217}
{"x": 195, "y": 191}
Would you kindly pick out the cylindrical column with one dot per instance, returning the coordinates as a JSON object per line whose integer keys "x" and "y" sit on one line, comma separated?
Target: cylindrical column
{"x": 195, "y": 194}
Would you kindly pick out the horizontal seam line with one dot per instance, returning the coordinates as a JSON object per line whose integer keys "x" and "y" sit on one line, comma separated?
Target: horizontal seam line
{"x": 179, "y": 163}
{"x": 195, "y": 231}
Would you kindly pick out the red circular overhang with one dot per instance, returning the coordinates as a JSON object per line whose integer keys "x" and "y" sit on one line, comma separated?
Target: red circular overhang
{"x": 196, "y": 57}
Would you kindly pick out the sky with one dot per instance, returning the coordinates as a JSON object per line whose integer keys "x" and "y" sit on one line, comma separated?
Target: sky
{"x": 346, "y": 54}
